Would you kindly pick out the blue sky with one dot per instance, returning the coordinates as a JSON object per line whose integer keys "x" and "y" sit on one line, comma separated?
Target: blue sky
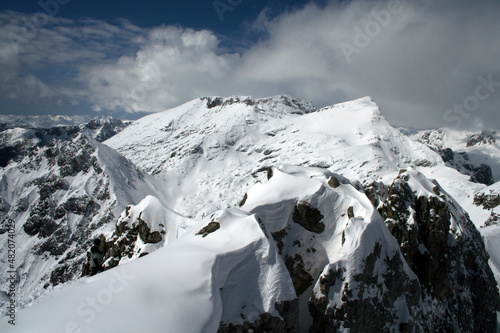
{"x": 426, "y": 63}
{"x": 151, "y": 13}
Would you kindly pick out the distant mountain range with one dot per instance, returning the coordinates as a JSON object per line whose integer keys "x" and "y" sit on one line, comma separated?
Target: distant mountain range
{"x": 240, "y": 214}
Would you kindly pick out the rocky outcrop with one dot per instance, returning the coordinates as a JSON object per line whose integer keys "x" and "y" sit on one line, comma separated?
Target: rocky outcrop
{"x": 288, "y": 322}
{"x": 308, "y": 217}
{"x": 446, "y": 252}
{"x": 18, "y": 140}
{"x": 366, "y": 299}
{"x": 480, "y": 173}
{"x": 211, "y": 227}
{"x": 484, "y": 138}
{"x": 488, "y": 201}
{"x": 133, "y": 232}
{"x": 494, "y": 219}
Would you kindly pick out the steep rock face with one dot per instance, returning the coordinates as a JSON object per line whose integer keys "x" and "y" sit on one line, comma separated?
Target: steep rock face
{"x": 444, "y": 249}
{"x": 350, "y": 270}
{"x": 481, "y": 173}
{"x": 379, "y": 297}
{"x": 60, "y": 196}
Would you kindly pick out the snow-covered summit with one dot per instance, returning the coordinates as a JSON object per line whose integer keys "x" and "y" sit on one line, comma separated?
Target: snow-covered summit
{"x": 344, "y": 222}
{"x": 217, "y": 151}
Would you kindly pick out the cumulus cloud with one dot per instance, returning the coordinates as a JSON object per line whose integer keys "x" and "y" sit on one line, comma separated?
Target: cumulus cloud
{"x": 425, "y": 63}
{"x": 417, "y": 60}
{"x": 172, "y": 66}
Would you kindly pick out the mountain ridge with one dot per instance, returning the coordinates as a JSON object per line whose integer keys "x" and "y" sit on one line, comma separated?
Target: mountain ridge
{"x": 313, "y": 182}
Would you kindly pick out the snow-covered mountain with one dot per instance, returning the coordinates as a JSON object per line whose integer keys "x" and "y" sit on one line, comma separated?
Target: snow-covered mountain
{"x": 42, "y": 121}
{"x": 60, "y": 196}
{"x": 472, "y": 153}
{"x": 344, "y": 223}
{"x": 218, "y": 148}
{"x": 17, "y": 140}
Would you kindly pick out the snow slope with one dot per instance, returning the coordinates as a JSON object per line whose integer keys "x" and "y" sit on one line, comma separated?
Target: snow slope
{"x": 60, "y": 197}
{"x": 468, "y": 152}
{"x": 191, "y": 285}
{"x": 480, "y": 147}
{"x": 339, "y": 209}
{"x": 306, "y": 233}
{"x": 216, "y": 153}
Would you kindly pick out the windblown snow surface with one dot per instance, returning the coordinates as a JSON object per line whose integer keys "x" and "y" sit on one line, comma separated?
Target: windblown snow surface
{"x": 217, "y": 264}
{"x": 179, "y": 288}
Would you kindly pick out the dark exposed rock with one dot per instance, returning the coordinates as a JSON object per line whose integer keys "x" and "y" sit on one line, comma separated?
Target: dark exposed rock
{"x": 287, "y": 323}
{"x": 243, "y": 201}
{"x": 79, "y": 205}
{"x": 40, "y": 221}
{"x": 484, "y": 138}
{"x": 122, "y": 243}
{"x": 59, "y": 275}
{"x": 59, "y": 213}
{"x": 488, "y": 201}
{"x": 350, "y": 212}
{"x": 211, "y": 227}
{"x": 266, "y": 169}
{"x": 278, "y": 237}
{"x": 367, "y": 305}
{"x": 481, "y": 173}
{"x": 37, "y": 225}
{"x": 56, "y": 244}
{"x": 300, "y": 277}
{"x": 494, "y": 219}
{"x": 214, "y": 102}
{"x": 73, "y": 160}
{"x": 308, "y": 217}
{"x": 49, "y": 185}
{"x": 322, "y": 314}
{"x": 333, "y": 182}
{"x": 145, "y": 233}
{"x": 451, "y": 267}
{"x": 447, "y": 154}
{"x": 423, "y": 163}
{"x": 7, "y": 154}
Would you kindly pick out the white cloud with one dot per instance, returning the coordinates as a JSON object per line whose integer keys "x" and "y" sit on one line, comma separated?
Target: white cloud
{"x": 426, "y": 58}
{"x": 416, "y": 59}
{"x": 173, "y": 65}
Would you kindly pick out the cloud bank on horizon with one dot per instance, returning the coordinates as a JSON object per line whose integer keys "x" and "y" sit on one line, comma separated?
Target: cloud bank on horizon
{"x": 426, "y": 64}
